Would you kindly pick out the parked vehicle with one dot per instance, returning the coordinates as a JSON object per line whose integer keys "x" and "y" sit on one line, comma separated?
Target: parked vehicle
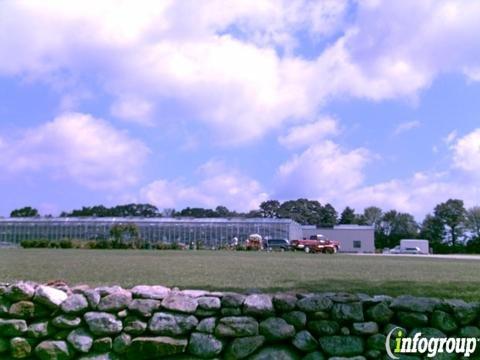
{"x": 409, "y": 246}
{"x": 254, "y": 242}
{"x": 316, "y": 244}
{"x": 277, "y": 244}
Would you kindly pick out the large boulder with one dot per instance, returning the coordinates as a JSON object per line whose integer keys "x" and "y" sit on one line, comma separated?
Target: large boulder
{"x": 276, "y": 329}
{"x": 207, "y": 325}
{"x": 172, "y": 324}
{"x": 284, "y": 302}
{"x": 115, "y": 302}
{"x": 20, "y": 348}
{"x": 365, "y": 328}
{"x": 348, "y": 312}
{"x": 278, "y": 352}
{"x": 134, "y": 326}
{"x": 144, "y": 307}
{"x": 53, "y": 350}
{"x": 49, "y": 296}
{"x": 204, "y": 345}
{"x": 305, "y": 341}
{"x": 101, "y": 323}
{"x": 22, "y": 309}
{"x": 443, "y": 321}
{"x": 339, "y": 345}
{"x": 74, "y": 304}
{"x": 412, "y": 319}
{"x": 233, "y": 300}
{"x": 323, "y": 327}
{"x": 258, "y": 305}
{"x": 143, "y": 348}
{"x": 411, "y": 303}
{"x": 155, "y": 292}
{"x": 12, "y": 327}
{"x": 296, "y": 318}
{"x": 240, "y": 348}
{"x": 180, "y": 303}
{"x": 20, "y": 291}
{"x": 236, "y": 326}
{"x": 380, "y": 313}
{"x": 81, "y": 340}
{"x": 314, "y": 303}
{"x": 40, "y": 330}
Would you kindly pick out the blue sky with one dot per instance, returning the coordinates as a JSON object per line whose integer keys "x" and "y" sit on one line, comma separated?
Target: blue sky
{"x": 196, "y": 103}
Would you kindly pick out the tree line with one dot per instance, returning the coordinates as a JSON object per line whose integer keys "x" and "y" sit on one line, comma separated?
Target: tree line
{"x": 450, "y": 227}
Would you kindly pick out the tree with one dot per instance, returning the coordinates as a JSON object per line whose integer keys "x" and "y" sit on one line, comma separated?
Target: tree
{"x": 473, "y": 221}
{"x": 347, "y": 216}
{"x": 452, "y": 214}
{"x": 269, "y": 208}
{"x": 222, "y": 211}
{"x": 303, "y": 211}
{"x": 395, "y": 226}
{"x": 328, "y": 216}
{"x": 26, "y": 211}
{"x": 432, "y": 229}
{"x": 372, "y": 216}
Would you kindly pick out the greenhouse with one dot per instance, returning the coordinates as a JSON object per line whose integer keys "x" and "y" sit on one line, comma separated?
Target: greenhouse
{"x": 213, "y": 232}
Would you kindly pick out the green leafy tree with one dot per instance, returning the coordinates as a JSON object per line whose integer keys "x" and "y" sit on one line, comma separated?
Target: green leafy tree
{"x": 347, "y": 216}
{"x": 395, "y": 226}
{"x": 473, "y": 221}
{"x": 270, "y": 208}
{"x": 328, "y": 216}
{"x": 222, "y": 211}
{"x": 26, "y": 211}
{"x": 303, "y": 211}
{"x": 432, "y": 229}
{"x": 372, "y": 216}
{"x": 452, "y": 214}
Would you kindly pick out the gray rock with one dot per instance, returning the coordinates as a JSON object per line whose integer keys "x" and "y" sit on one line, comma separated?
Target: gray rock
{"x": 74, "y": 304}
{"x": 49, "y": 296}
{"x": 40, "y": 330}
{"x": 207, "y": 325}
{"x": 107, "y": 290}
{"x": 122, "y": 314}
{"x": 208, "y": 303}
{"x": 275, "y": 353}
{"x": 204, "y": 345}
{"x": 305, "y": 341}
{"x": 444, "y": 322}
{"x": 411, "y": 303}
{"x": 314, "y": 303}
{"x": 93, "y": 298}
{"x": 380, "y": 313}
{"x": 20, "y": 348}
{"x": 144, "y": 307}
{"x": 66, "y": 321}
{"x": 22, "y": 309}
{"x": 115, "y": 302}
{"x": 258, "y": 305}
{"x": 237, "y": 326}
{"x": 101, "y": 323}
{"x": 155, "y": 292}
{"x": 240, "y": 348}
{"x": 12, "y": 327}
{"x": 195, "y": 293}
{"x": 323, "y": 327}
{"x": 180, "y": 303}
{"x": 348, "y": 312}
{"x": 155, "y": 347}
{"x": 102, "y": 345}
{"x": 172, "y": 324}
{"x": 344, "y": 298}
{"x": 134, "y": 326}
{"x": 276, "y": 329}
{"x": 53, "y": 350}
{"x": 342, "y": 345}
{"x": 121, "y": 343}
{"x": 20, "y": 291}
{"x": 233, "y": 300}
{"x": 296, "y": 318}
{"x": 365, "y": 328}
{"x": 465, "y": 313}
{"x": 284, "y": 302}
{"x": 412, "y": 319}
{"x": 81, "y": 340}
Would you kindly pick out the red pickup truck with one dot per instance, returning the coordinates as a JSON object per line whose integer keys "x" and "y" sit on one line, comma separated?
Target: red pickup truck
{"x": 316, "y": 244}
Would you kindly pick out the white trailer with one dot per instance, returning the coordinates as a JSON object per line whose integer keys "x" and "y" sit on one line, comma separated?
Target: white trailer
{"x": 421, "y": 244}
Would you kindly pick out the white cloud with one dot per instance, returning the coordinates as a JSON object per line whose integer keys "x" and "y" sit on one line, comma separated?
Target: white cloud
{"x": 406, "y": 126}
{"x": 133, "y": 109}
{"x": 452, "y": 135}
{"x": 323, "y": 171}
{"x": 79, "y": 148}
{"x": 219, "y": 185}
{"x": 466, "y": 153}
{"x": 310, "y": 133}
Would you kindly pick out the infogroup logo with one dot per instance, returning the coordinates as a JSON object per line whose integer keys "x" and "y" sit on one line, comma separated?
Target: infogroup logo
{"x": 431, "y": 346}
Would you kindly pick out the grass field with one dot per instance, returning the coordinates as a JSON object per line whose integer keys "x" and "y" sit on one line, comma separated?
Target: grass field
{"x": 247, "y": 271}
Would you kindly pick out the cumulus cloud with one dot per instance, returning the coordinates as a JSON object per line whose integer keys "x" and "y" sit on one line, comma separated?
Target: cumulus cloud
{"x": 323, "y": 171}
{"x": 218, "y": 185}
{"x": 310, "y": 133}
{"x": 466, "y": 153}
{"x": 406, "y": 126}
{"x": 79, "y": 148}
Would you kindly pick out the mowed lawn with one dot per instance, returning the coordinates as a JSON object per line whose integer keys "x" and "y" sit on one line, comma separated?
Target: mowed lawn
{"x": 247, "y": 271}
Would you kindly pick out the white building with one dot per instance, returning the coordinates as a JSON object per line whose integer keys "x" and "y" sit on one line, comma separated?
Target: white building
{"x": 352, "y": 238}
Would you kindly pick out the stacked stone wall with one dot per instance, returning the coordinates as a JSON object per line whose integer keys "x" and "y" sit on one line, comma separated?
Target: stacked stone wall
{"x": 154, "y": 322}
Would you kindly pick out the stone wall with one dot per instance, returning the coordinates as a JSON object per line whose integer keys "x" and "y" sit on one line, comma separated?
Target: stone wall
{"x": 152, "y": 322}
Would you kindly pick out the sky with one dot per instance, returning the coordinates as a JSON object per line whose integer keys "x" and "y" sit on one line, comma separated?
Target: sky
{"x": 205, "y": 102}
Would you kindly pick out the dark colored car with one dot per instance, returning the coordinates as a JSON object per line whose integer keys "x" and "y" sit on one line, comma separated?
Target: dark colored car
{"x": 277, "y": 244}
